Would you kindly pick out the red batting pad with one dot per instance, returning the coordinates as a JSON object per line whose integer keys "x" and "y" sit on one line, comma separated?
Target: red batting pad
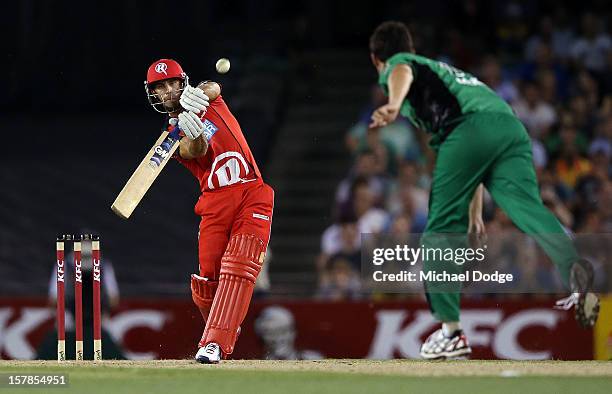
{"x": 203, "y": 293}
{"x": 240, "y": 266}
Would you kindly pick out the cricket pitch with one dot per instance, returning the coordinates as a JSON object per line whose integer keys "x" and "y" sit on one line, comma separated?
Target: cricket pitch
{"x": 333, "y": 376}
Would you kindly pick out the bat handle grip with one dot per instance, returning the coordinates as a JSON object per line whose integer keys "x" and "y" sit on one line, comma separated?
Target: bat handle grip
{"x": 175, "y": 132}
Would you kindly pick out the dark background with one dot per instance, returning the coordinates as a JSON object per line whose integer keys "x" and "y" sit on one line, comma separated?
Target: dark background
{"x": 76, "y": 121}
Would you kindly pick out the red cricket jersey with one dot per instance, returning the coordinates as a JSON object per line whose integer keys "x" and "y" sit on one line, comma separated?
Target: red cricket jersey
{"x": 228, "y": 160}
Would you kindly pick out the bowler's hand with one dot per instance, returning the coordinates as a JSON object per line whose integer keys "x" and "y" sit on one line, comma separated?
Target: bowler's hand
{"x": 477, "y": 226}
{"x": 477, "y": 233}
{"x": 384, "y": 115}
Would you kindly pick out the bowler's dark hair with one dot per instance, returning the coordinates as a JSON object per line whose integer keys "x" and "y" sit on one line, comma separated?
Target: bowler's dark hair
{"x": 390, "y": 38}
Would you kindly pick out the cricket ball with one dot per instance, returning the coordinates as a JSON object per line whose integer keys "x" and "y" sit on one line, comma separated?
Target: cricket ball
{"x": 222, "y": 65}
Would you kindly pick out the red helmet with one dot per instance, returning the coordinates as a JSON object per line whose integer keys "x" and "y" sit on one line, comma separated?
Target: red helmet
{"x": 158, "y": 71}
{"x": 164, "y": 69}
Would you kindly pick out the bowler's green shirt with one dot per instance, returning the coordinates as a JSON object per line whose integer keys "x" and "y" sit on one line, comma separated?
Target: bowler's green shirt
{"x": 440, "y": 95}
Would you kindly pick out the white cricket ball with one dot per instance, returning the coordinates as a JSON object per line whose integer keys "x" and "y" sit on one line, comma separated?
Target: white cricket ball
{"x": 223, "y": 65}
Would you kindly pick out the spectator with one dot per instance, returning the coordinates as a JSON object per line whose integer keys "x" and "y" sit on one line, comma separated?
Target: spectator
{"x": 540, "y": 157}
{"x": 563, "y": 34}
{"x": 586, "y": 86}
{"x": 548, "y": 178}
{"x": 386, "y": 156}
{"x": 567, "y": 133}
{"x": 362, "y": 214}
{"x": 591, "y": 187}
{"x": 343, "y": 282}
{"x": 537, "y": 115}
{"x": 554, "y": 203}
{"x": 398, "y": 135}
{"x": 591, "y": 222}
{"x": 512, "y": 28}
{"x": 341, "y": 238}
{"x": 603, "y": 137}
{"x": 592, "y": 47}
{"x": 349, "y": 243}
{"x": 491, "y": 74}
{"x": 407, "y": 196}
{"x": 401, "y": 225}
{"x": 553, "y": 34}
{"x": 543, "y": 63}
{"x": 570, "y": 165}
{"x": 583, "y": 114}
{"x": 547, "y": 83}
{"x": 366, "y": 168}
{"x": 370, "y": 219}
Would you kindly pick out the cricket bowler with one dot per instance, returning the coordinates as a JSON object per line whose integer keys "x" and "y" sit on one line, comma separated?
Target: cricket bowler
{"x": 235, "y": 205}
{"x": 479, "y": 142}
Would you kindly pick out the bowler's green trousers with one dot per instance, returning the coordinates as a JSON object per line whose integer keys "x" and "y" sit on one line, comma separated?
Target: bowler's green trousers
{"x": 493, "y": 149}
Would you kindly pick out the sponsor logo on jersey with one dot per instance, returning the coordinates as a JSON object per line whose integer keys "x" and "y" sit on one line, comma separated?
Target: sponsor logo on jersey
{"x": 260, "y": 216}
{"x": 161, "y": 68}
{"x": 209, "y": 129}
{"x": 228, "y": 168}
{"x": 461, "y": 77}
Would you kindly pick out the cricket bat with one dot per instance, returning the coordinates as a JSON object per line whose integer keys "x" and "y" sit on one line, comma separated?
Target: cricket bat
{"x": 146, "y": 173}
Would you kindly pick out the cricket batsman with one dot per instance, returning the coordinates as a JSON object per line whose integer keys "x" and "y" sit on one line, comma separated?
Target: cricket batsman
{"x": 235, "y": 205}
{"x": 479, "y": 142}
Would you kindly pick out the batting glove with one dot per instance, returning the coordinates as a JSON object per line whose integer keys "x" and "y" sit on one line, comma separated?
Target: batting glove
{"x": 190, "y": 124}
{"x": 194, "y": 100}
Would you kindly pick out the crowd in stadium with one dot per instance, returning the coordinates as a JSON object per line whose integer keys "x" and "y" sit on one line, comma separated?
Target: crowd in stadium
{"x": 556, "y": 73}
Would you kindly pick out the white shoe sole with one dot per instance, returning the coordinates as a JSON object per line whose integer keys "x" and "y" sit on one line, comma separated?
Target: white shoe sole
{"x": 456, "y": 354}
{"x": 204, "y": 357}
{"x": 205, "y": 360}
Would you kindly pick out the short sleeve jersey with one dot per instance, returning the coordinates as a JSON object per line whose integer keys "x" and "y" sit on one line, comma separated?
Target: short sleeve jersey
{"x": 228, "y": 160}
{"x": 441, "y": 95}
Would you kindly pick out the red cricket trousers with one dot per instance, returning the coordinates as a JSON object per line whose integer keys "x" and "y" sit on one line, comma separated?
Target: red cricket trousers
{"x": 238, "y": 209}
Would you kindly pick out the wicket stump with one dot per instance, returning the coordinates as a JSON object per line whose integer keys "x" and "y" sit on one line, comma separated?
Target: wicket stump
{"x": 78, "y": 295}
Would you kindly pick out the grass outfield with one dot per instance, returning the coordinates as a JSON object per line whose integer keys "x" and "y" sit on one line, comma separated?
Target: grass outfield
{"x": 328, "y": 376}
